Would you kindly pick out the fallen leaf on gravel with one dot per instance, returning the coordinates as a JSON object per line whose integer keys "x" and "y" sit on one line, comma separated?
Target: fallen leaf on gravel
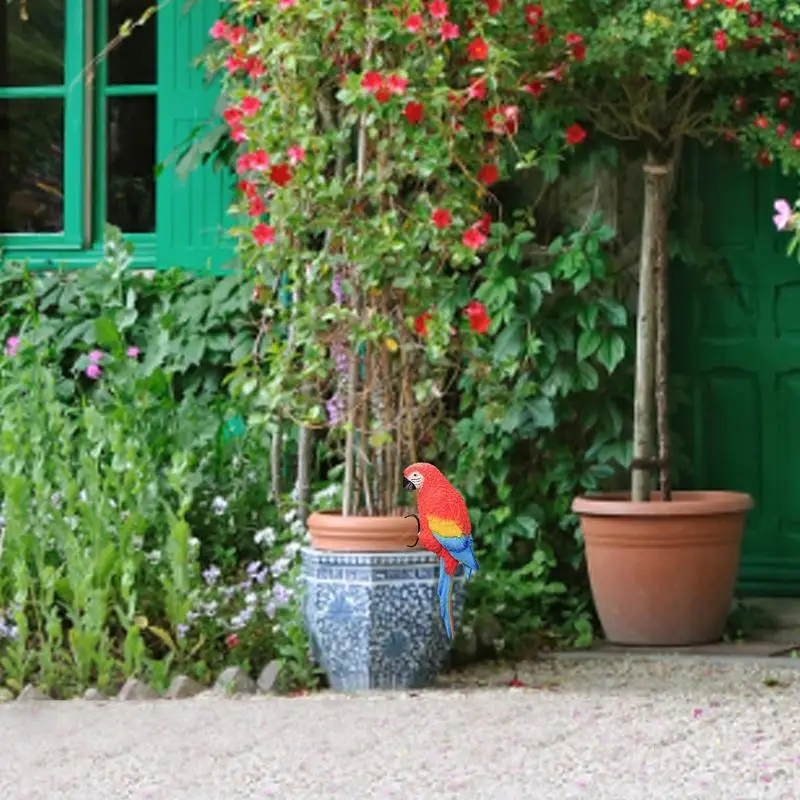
{"x": 516, "y": 683}
{"x": 774, "y": 683}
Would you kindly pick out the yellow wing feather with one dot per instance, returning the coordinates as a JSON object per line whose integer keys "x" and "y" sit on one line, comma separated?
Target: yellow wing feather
{"x": 446, "y": 528}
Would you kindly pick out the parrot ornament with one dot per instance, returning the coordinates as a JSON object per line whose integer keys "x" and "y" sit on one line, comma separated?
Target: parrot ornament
{"x": 443, "y": 528}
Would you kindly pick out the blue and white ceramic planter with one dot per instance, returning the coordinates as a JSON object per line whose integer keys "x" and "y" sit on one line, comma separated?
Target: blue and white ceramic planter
{"x": 373, "y": 618}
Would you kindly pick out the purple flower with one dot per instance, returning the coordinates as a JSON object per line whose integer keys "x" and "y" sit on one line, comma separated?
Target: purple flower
{"x": 93, "y": 371}
{"x": 211, "y": 575}
{"x": 280, "y": 595}
{"x": 12, "y": 345}
{"x": 96, "y": 356}
{"x": 783, "y": 215}
{"x": 337, "y": 288}
{"x": 335, "y": 409}
{"x": 341, "y": 359}
{"x": 182, "y": 630}
{"x": 132, "y": 352}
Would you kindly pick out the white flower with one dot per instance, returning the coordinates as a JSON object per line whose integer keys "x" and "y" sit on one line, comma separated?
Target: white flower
{"x": 154, "y": 556}
{"x": 194, "y": 542}
{"x": 251, "y": 598}
{"x": 218, "y": 505}
{"x": 265, "y": 537}
{"x": 291, "y": 549}
{"x": 290, "y": 515}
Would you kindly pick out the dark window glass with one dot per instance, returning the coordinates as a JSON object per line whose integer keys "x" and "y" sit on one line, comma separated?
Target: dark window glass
{"x": 31, "y": 166}
{"x": 130, "y": 163}
{"x": 32, "y": 43}
{"x": 133, "y": 59}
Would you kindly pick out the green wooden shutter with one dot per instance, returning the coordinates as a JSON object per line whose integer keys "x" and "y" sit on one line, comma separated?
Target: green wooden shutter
{"x": 191, "y": 211}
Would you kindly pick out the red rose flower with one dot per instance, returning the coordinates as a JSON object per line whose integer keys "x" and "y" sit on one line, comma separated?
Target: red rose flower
{"x": 795, "y": 141}
{"x": 533, "y": 14}
{"x": 493, "y": 7}
{"x": 264, "y": 234}
{"x": 250, "y": 105}
{"x": 280, "y": 174}
{"x": 764, "y": 158}
{"x": 543, "y": 35}
{"x": 691, "y": 5}
{"x": 575, "y": 134}
{"x": 484, "y": 224}
{"x": 256, "y": 206}
{"x": 383, "y": 95}
{"x": 397, "y": 84}
{"x": 414, "y": 23}
{"x": 474, "y": 238}
{"x": 780, "y": 130}
{"x": 232, "y": 115}
{"x": 477, "y": 89}
{"x": 761, "y": 122}
{"x": 478, "y": 50}
{"x": 535, "y": 88}
{"x": 232, "y": 640}
{"x": 413, "y": 112}
{"x": 478, "y": 318}
{"x": 421, "y": 323}
{"x": 740, "y": 105}
{"x": 784, "y": 101}
{"x": 441, "y": 218}
{"x": 683, "y": 56}
{"x": 438, "y": 9}
{"x": 720, "y": 41}
{"x": 488, "y": 174}
{"x": 371, "y": 82}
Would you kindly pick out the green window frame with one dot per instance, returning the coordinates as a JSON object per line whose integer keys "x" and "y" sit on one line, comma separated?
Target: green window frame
{"x": 190, "y": 213}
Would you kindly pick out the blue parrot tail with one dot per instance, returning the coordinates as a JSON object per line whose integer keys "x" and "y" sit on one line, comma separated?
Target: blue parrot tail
{"x": 468, "y": 560}
{"x": 445, "y": 592}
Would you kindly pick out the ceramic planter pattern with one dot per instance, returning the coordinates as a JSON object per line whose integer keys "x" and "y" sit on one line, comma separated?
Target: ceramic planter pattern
{"x": 373, "y": 618}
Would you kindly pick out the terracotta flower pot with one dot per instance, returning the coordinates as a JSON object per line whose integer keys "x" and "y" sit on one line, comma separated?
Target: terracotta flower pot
{"x": 663, "y": 574}
{"x": 331, "y": 531}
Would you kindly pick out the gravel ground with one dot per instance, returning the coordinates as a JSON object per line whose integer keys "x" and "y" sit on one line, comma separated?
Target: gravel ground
{"x": 589, "y": 729}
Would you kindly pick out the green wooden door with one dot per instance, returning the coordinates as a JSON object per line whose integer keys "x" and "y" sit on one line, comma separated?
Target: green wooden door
{"x": 737, "y": 341}
{"x": 192, "y": 212}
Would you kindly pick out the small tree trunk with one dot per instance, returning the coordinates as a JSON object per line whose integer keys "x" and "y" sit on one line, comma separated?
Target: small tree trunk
{"x": 643, "y": 402}
{"x": 662, "y": 339}
{"x": 304, "y": 443}
{"x": 275, "y": 465}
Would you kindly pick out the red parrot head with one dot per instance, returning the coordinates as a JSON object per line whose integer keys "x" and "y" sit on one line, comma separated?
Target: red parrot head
{"x": 415, "y": 476}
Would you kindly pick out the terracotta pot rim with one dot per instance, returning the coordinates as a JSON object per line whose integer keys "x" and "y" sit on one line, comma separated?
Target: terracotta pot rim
{"x": 329, "y": 530}
{"x": 683, "y": 504}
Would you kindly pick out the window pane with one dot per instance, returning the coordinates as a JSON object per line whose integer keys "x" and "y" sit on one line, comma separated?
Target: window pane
{"x": 31, "y": 166}
{"x": 133, "y": 60}
{"x": 130, "y": 163}
{"x": 32, "y": 50}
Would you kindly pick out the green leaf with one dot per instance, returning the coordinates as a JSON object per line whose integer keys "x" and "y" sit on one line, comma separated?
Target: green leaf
{"x": 611, "y": 352}
{"x": 588, "y": 343}
{"x": 106, "y": 333}
{"x": 510, "y": 341}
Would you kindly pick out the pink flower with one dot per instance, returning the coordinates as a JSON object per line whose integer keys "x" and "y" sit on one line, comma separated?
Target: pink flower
{"x": 232, "y": 640}
{"x": 264, "y": 234}
{"x": 448, "y": 31}
{"x": 296, "y": 154}
{"x": 284, "y": 4}
{"x": 782, "y": 218}
{"x": 132, "y": 352}
{"x": 414, "y": 23}
{"x": 250, "y": 105}
{"x": 397, "y": 84}
{"x": 219, "y": 30}
{"x": 96, "y": 356}
{"x": 473, "y": 238}
{"x": 93, "y": 371}
{"x": 12, "y": 346}
{"x": 438, "y": 9}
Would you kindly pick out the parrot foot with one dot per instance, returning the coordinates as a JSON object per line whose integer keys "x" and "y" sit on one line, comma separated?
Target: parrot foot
{"x": 416, "y": 541}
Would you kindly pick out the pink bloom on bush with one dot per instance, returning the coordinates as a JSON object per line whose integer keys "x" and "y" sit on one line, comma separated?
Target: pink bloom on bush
{"x": 219, "y": 30}
{"x": 438, "y": 9}
{"x": 93, "y": 371}
{"x": 250, "y": 105}
{"x": 448, "y": 31}
{"x": 12, "y": 346}
{"x": 96, "y": 356}
{"x": 284, "y": 4}
{"x": 132, "y": 352}
{"x": 414, "y": 23}
{"x": 296, "y": 154}
{"x": 473, "y": 238}
{"x": 264, "y": 234}
{"x": 397, "y": 84}
{"x": 782, "y": 218}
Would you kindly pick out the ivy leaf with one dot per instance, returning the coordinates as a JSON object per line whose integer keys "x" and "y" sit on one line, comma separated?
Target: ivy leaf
{"x": 509, "y": 342}
{"x": 611, "y": 352}
{"x": 542, "y": 413}
{"x": 588, "y": 343}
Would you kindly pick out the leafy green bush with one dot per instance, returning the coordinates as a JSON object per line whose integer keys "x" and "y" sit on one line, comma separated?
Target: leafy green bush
{"x": 541, "y": 421}
{"x": 137, "y": 537}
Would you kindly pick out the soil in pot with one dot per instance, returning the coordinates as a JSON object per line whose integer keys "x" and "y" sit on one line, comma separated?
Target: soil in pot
{"x": 663, "y": 574}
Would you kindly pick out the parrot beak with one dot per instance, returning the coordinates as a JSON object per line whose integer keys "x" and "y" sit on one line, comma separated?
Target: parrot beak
{"x": 407, "y": 485}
